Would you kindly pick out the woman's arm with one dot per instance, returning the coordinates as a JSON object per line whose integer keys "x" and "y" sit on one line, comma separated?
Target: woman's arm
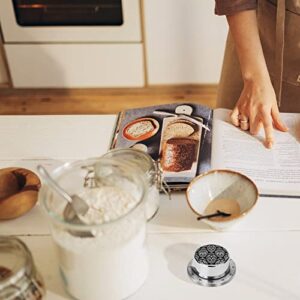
{"x": 257, "y": 102}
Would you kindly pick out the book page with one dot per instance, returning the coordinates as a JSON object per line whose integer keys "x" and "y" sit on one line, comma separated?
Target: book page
{"x": 276, "y": 171}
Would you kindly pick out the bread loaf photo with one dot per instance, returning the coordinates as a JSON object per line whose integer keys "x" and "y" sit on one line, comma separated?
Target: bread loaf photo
{"x": 178, "y": 129}
{"x": 178, "y": 154}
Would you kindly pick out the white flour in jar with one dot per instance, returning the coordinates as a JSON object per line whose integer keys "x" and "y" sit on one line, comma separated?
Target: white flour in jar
{"x": 152, "y": 202}
{"x": 107, "y": 204}
{"x": 114, "y": 264}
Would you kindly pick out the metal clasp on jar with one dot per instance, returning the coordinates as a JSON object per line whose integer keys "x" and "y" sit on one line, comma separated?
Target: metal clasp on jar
{"x": 89, "y": 179}
{"x": 161, "y": 184}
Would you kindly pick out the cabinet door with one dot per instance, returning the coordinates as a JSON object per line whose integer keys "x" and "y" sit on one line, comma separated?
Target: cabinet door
{"x": 184, "y": 41}
{"x": 76, "y": 65}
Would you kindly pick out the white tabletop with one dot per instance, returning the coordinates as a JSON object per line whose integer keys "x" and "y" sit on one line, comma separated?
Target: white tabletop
{"x": 264, "y": 244}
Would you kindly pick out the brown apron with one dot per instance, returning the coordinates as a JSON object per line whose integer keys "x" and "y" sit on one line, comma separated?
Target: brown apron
{"x": 279, "y": 29}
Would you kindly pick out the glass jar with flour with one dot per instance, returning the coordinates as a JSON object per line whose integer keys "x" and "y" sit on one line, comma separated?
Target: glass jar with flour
{"x": 150, "y": 169}
{"x": 102, "y": 254}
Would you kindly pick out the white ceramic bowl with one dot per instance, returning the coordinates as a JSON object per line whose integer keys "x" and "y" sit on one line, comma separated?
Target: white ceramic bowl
{"x": 217, "y": 184}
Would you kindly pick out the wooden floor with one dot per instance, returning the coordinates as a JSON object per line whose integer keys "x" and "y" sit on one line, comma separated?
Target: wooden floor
{"x": 99, "y": 101}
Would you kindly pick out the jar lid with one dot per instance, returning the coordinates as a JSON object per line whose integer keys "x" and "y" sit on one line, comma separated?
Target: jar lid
{"x": 211, "y": 266}
{"x": 141, "y": 159}
{"x": 19, "y": 278}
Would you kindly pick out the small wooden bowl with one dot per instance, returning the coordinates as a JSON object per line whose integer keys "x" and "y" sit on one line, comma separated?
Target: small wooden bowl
{"x": 18, "y": 192}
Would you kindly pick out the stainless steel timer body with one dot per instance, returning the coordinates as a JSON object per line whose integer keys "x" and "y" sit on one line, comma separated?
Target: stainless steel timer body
{"x": 211, "y": 266}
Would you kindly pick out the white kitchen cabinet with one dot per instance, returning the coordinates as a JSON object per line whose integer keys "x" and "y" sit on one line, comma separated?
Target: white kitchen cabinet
{"x": 76, "y": 65}
{"x": 184, "y": 41}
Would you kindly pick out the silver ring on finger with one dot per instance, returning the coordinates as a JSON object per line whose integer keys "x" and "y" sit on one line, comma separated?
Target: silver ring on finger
{"x": 244, "y": 125}
{"x": 243, "y": 119}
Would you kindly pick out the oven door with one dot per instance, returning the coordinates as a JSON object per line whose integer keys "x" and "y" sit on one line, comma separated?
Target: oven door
{"x": 18, "y": 27}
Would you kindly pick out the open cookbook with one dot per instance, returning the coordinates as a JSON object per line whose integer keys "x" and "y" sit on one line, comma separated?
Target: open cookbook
{"x": 190, "y": 139}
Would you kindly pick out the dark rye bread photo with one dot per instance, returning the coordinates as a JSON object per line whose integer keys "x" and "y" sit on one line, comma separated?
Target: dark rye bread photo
{"x": 178, "y": 154}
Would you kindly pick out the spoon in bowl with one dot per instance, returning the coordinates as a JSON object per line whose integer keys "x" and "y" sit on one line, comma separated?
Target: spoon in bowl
{"x": 76, "y": 207}
{"x": 217, "y": 214}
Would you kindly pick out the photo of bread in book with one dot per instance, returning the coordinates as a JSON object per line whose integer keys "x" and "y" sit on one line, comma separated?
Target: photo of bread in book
{"x": 179, "y": 129}
{"x": 176, "y": 135}
{"x": 141, "y": 129}
{"x": 178, "y": 154}
{"x": 179, "y": 146}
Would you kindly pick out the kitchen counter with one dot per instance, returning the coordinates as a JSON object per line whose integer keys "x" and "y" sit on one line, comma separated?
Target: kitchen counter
{"x": 264, "y": 244}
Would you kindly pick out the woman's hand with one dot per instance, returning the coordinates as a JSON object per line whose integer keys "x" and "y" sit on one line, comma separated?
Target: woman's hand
{"x": 257, "y": 104}
{"x": 257, "y": 107}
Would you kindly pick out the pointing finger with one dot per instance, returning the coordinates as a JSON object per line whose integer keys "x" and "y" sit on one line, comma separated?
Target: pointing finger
{"x": 268, "y": 127}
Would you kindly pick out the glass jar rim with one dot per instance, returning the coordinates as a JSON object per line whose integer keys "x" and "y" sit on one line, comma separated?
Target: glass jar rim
{"x": 154, "y": 171}
{"x": 59, "y": 171}
{"x": 113, "y": 153}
